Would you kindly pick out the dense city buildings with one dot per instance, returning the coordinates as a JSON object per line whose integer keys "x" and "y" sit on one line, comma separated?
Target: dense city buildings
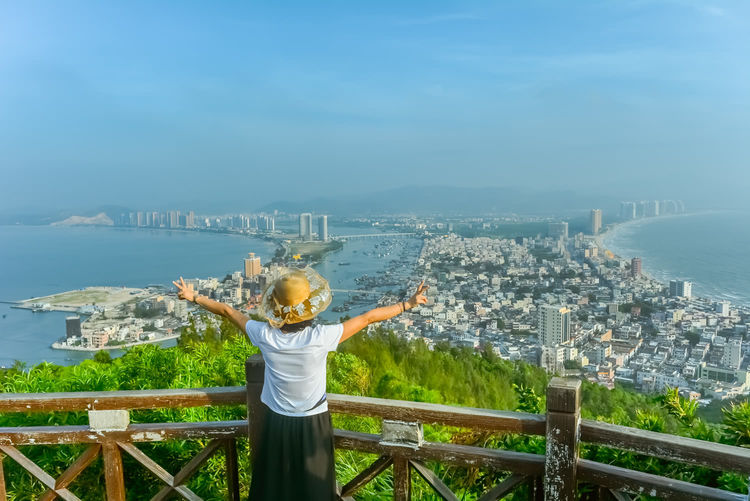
{"x": 650, "y": 208}
{"x": 175, "y": 219}
{"x": 566, "y": 304}
{"x": 596, "y": 221}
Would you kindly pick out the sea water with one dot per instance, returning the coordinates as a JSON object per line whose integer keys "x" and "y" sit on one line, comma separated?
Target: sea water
{"x": 42, "y": 260}
{"x": 710, "y": 249}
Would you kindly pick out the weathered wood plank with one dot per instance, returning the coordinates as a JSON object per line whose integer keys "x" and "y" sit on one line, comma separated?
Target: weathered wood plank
{"x": 619, "y": 496}
{"x": 142, "y": 432}
{"x": 366, "y": 475}
{"x": 564, "y": 394}
{"x": 125, "y": 399}
{"x": 113, "y": 473}
{"x": 72, "y": 472}
{"x": 233, "y": 479}
{"x": 3, "y": 491}
{"x": 28, "y": 465}
{"x": 158, "y": 471}
{"x": 194, "y": 464}
{"x": 164, "y": 493}
{"x": 468, "y": 417}
{"x": 485, "y": 419}
{"x": 401, "y": 479}
{"x": 687, "y": 450}
{"x": 539, "y": 490}
{"x": 453, "y": 454}
{"x": 504, "y": 488}
{"x": 148, "y": 463}
{"x": 41, "y": 475}
{"x": 434, "y": 481}
{"x": 638, "y": 482}
{"x": 563, "y": 415}
{"x": 254, "y": 374}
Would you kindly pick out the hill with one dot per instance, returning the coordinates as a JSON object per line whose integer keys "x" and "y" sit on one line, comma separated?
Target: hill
{"x": 448, "y": 201}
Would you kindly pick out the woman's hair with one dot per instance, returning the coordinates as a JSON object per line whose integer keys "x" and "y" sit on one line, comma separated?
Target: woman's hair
{"x": 296, "y": 327}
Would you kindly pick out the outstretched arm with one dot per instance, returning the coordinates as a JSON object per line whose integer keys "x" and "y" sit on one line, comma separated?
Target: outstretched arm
{"x": 187, "y": 293}
{"x": 356, "y": 324}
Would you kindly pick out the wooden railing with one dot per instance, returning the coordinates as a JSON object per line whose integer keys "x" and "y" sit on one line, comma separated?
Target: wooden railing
{"x": 552, "y": 476}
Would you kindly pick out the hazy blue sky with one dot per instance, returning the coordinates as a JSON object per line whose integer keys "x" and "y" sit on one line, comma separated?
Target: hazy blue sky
{"x": 236, "y": 104}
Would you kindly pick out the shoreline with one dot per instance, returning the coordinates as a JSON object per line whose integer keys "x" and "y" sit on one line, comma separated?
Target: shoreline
{"x": 58, "y": 346}
{"x": 613, "y": 228}
{"x": 603, "y": 240}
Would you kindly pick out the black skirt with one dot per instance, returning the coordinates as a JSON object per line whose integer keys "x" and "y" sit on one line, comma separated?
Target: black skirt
{"x": 294, "y": 459}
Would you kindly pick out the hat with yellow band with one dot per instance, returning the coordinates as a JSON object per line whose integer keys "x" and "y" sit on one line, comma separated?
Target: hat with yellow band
{"x": 296, "y": 295}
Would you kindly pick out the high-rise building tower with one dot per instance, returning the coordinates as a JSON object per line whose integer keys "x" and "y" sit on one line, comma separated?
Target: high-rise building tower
{"x": 652, "y": 208}
{"x": 596, "y": 221}
{"x": 635, "y": 267}
{"x": 252, "y": 265}
{"x": 681, "y": 288}
{"x": 323, "y": 228}
{"x": 305, "y": 226}
{"x": 72, "y": 327}
{"x": 722, "y": 308}
{"x": 554, "y": 325}
{"x": 558, "y": 230}
{"x": 174, "y": 219}
{"x": 627, "y": 210}
{"x": 732, "y": 354}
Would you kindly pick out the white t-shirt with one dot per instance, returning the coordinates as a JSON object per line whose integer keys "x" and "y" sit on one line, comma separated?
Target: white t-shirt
{"x": 295, "y": 374}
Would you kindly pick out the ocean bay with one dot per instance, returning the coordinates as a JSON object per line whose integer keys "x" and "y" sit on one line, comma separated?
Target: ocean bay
{"x": 42, "y": 260}
{"x": 707, "y": 248}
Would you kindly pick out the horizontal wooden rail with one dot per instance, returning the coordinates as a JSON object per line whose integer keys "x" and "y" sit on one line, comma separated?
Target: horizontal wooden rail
{"x": 124, "y": 399}
{"x": 672, "y": 447}
{"x": 468, "y": 417}
{"x": 143, "y": 432}
{"x": 638, "y": 482}
{"x": 456, "y": 455}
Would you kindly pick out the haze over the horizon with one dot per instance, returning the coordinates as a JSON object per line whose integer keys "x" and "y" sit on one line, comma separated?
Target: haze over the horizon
{"x": 235, "y": 105}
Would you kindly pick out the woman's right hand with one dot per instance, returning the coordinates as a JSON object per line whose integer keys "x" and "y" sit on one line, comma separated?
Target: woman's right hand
{"x": 184, "y": 291}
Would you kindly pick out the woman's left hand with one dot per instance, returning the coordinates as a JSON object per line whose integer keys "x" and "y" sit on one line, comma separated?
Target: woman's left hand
{"x": 419, "y": 296}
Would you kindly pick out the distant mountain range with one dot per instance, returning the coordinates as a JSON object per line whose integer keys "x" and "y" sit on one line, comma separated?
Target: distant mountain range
{"x": 448, "y": 201}
{"x": 416, "y": 200}
{"x": 100, "y": 219}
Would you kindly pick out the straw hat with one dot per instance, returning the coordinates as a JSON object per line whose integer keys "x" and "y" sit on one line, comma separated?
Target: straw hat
{"x": 294, "y": 296}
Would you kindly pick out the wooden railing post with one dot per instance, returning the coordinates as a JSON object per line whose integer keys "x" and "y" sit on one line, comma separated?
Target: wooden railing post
{"x": 254, "y": 369}
{"x": 114, "y": 420}
{"x": 563, "y": 419}
{"x": 3, "y": 494}
{"x": 408, "y": 436}
{"x": 233, "y": 479}
{"x": 401, "y": 479}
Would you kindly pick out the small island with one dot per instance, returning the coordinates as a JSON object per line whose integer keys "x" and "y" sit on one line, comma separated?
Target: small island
{"x": 110, "y": 318}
